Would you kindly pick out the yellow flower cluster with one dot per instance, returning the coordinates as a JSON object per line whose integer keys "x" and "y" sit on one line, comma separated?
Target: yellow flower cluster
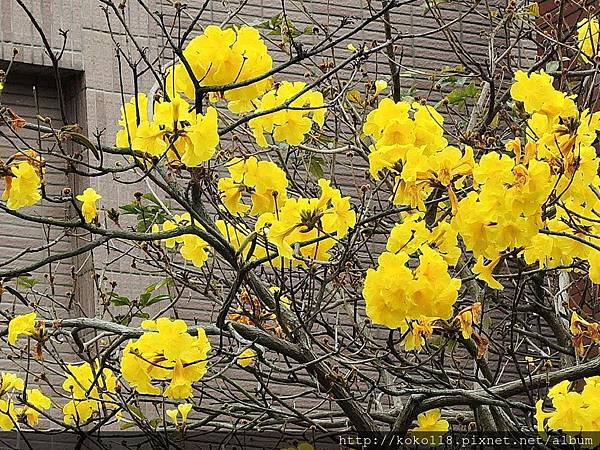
{"x": 166, "y": 353}
{"x": 588, "y": 37}
{"x": 174, "y": 130}
{"x": 506, "y": 212}
{"x": 574, "y": 413}
{"x": 23, "y": 186}
{"x": 562, "y": 162}
{"x": 294, "y": 121}
{"x": 397, "y": 128}
{"x": 90, "y": 387}
{"x": 522, "y": 198}
{"x": 396, "y": 294}
{"x": 220, "y": 57}
{"x": 303, "y": 219}
{"x": 193, "y": 248}
{"x": 264, "y": 180}
{"x": 29, "y": 412}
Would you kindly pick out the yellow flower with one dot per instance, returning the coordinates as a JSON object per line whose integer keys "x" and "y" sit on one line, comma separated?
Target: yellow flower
{"x": 204, "y": 137}
{"x": 10, "y": 382}
{"x": 306, "y": 219}
{"x": 132, "y": 114}
{"x": 79, "y": 412}
{"x": 246, "y": 358}
{"x": 149, "y": 139}
{"x": 8, "y": 415}
{"x": 429, "y": 423}
{"x": 166, "y": 352}
{"x": 264, "y": 179}
{"x": 354, "y": 96}
{"x": 538, "y": 95}
{"x": 90, "y": 389}
{"x": 183, "y": 409}
{"x": 288, "y": 125}
{"x": 380, "y": 86}
{"x": 36, "y": 401}
{"x": 89, "y": 199}
{"x": 194, "y": 249}
{"x": 408, "y": 236}
{"x": 418, "y": 331}
{"x": 467, "y": 317}
{"x": 23, "y": 188}
{"x": 397, "y": 134}
{"x": 23, "y": 324}
{"x": 484, "y": 273}
{"x": 588, "y": 36}
{"x": 221, "y": 57}
{"x": 395, "y": 293}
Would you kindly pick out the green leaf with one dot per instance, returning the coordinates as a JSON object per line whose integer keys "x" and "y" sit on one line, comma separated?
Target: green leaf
{"x": 119, "y": 300}
{"x": 150, "y": 197}
{"x": 132, "y": 208}
{"x": 311, "y": 29}
{"x": 123, "y": 320}
{"x": 460, "y": 96}
{"x": 552, "y": 66}
{"x": 315, "y": 166}
{"x": 26, "y": 282}
{"x": 157, "y": 299}
{"x": 144, "y": 298}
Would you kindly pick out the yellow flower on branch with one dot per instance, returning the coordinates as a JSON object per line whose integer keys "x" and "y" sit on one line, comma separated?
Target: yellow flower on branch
{"x": 133, "y": 114}
{"x": 292, "y": 123}
{"x": 183, "y": 409}
{"x": 166, "y": 352}
{"x": 23, "y": 188}
{"x": 90, "y": 387}
{"x": 588, "y": 37}
{"x": 204, "y": 138}
{"x": 430, "y": 422}
{"x": 36, "y": 401}
{"x": 417, "y": 332}
{"x": 305, "y": 219}
{"x": 23, "y": 324}
{"x": 395, "y": 293}
{"x": 466, "y": 317}
{"x": 264, "y": 180}
{"x": 89, "y": 199}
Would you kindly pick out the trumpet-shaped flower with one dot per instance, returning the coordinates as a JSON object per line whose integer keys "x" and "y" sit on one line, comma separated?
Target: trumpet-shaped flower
{"x": 88, "y": 208}
{"x": 23, "y": 188}
{"x": 167, "y": 352}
